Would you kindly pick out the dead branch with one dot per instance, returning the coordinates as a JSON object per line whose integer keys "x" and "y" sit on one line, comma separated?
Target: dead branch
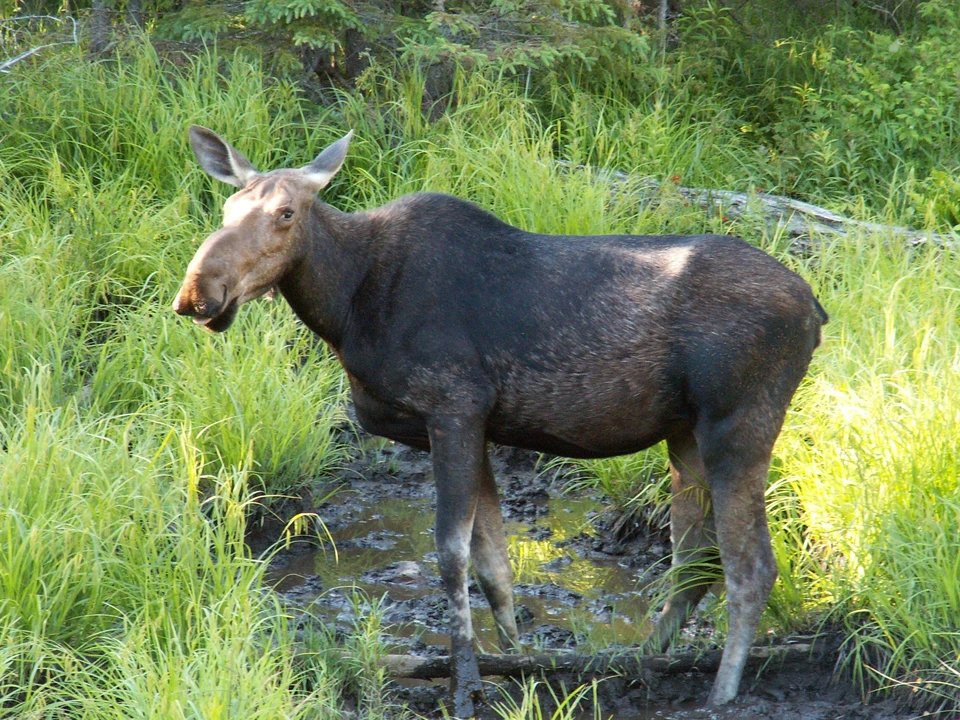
{"x": 32, "y": 51}
{"x": 800, "y": 220}
{"x": 796, "y": 219}
{"x": 423, "y": 668}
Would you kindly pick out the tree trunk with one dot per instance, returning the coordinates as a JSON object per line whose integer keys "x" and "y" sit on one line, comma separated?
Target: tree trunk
{"x": 357, "y": 51}
{"x": 662, "y": 26}
{"x": 135, "y": 13}
{"x": 99, "y": 27}
{"x": 800, "y": 221}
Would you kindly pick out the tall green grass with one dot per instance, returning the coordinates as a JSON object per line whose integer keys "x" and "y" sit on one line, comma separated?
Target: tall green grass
{"x": 133, "y": 446}
{"x": 115, "y": 567}
{"x": 872, "y": 455}
{"x": 105, "y": 209}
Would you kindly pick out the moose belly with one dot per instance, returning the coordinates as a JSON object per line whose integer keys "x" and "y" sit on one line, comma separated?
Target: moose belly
{"x": 580, "y": 419}
{"x": 593, "y": 446}
{"x": 572, "y": 414}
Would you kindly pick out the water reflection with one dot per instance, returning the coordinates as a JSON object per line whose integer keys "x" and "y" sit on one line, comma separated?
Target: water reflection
{"x": 594, "y": 597}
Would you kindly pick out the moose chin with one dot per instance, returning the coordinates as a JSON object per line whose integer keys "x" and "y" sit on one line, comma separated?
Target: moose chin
{"x": 456, "y": 329}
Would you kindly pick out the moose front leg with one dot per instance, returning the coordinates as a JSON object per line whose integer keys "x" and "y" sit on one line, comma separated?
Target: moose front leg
{"x": 457, "y": 448}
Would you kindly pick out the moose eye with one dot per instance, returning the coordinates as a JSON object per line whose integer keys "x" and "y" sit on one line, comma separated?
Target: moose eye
{"x": 287, "y": 214}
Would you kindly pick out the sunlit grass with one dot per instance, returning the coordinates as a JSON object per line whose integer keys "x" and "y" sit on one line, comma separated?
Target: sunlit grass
{"x": 873, "y": 456}
{"x": 132, "y": 446}
{"x": 115, "y": 566}
{"x": 539, "y": 701}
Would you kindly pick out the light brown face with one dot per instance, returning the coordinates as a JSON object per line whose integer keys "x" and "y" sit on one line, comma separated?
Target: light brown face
{"x": 262, "y": 234}
{"x": 258, "y": 243}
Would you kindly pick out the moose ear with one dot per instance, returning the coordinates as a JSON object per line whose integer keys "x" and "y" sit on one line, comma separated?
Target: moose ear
{"x": 219, "y": 158}
{"x": 326, "y": 164}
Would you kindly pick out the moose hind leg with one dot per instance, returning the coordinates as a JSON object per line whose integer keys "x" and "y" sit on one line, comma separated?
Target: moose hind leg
{"x": 693, "y": 538}
{"x": 738, "y": 477}
{"x": 488, "y": 549}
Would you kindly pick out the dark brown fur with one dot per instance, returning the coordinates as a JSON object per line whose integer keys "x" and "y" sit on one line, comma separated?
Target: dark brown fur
{"x": 456, "y": 329}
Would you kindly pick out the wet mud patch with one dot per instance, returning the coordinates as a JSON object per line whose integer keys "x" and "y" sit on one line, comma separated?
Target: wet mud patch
{"x": 571, "y": 584}
{"x": 577, "y": 587}
{"x": 796, "y": 691}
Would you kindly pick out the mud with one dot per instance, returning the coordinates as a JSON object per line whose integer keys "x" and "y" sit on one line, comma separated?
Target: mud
{"x": 578, "y": 586}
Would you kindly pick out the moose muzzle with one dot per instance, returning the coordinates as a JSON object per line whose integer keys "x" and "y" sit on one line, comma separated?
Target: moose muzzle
{"x": 208, "y": 293}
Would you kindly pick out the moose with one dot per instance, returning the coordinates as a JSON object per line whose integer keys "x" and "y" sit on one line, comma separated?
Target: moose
{"x": 456, "y": 330}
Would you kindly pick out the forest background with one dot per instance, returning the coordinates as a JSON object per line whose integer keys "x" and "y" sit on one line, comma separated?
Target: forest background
{"x": 135, "y": 451}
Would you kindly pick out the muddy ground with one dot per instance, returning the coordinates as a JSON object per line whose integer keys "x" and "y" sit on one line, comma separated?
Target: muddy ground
{"x": 578, "y": 587}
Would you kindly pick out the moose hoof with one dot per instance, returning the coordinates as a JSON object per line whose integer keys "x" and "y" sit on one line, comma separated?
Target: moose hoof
{"x": 466, "y": 693}
{"x": 721, "y": 696}
{"x": 464, "y": 707}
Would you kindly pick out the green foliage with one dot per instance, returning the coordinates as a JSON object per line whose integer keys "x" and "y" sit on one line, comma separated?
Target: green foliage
{"x": 101, "y": 242}
{"x": 567, "y": 706}
{"x": 937, "y": 199}
{"x": 199, "y": 22}
{"x": 842, "y": 107}
{"x": 147, "y": 597}
{"x": 141, "y": 444}
{"x": 310, "y": 24}
{"x": 633, "y": 483}
{"x": 874, "y": 461}
{"x": 501, "y": 37}
{"x": 584, "y": 37}
{"x": 133, "y": 447}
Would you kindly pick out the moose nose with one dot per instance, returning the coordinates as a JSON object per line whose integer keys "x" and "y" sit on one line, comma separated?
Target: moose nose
{"x": 207, "y": 308}
{"x": 182, "y": 305}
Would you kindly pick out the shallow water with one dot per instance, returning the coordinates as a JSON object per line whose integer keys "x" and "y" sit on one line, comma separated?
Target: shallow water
{"x": 565, "y": 595}
{"x": 581, "y": 588}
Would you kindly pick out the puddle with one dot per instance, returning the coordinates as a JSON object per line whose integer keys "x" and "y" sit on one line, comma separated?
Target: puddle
{"x": 567, "y": 594}
{"x": 574, "y": 587}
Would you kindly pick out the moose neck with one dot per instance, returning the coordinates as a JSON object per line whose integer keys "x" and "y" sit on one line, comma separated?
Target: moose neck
{"x": 320, "y": 288}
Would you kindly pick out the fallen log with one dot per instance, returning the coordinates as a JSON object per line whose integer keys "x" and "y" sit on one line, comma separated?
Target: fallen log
{"x": 610, "y": 663}
{"x": 801, "y": 220}
{"x": 796, "y": 219}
